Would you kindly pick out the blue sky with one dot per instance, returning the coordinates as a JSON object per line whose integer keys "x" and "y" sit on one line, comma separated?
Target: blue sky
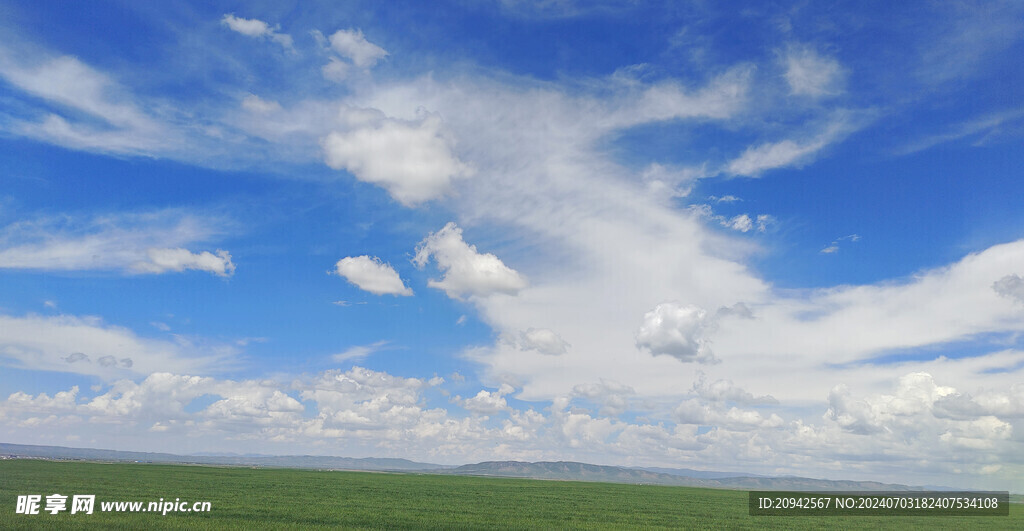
{"x": 777, "y": 240}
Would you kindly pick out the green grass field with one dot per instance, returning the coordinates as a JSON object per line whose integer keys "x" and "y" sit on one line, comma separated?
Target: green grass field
{"x": 245, "y": 498}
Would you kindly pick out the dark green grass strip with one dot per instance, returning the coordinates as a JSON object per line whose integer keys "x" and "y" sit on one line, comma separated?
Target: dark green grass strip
{"x": 245, "y": 498}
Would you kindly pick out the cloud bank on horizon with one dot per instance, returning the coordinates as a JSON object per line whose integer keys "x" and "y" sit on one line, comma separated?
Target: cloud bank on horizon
{"x": 767, "y": 240}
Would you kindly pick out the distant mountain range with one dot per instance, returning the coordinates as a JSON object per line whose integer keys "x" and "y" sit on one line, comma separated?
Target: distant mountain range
{"x": 560, "y": 470}
{"x": 284, "y": 461}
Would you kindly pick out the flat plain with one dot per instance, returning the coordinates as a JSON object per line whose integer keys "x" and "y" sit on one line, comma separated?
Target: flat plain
{"x": 267, "y": 498}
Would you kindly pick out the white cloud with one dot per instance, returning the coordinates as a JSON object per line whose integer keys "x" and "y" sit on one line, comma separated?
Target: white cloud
{"x": 413, "y": 161}
{"x": 134, "y": 243}
{"x": 727, "y": 391}
{"x": 336, "y": 70}
{"x": 810, "y": 74}
{"x": 466, "y": 272}
{"x": 372, "y": 275}
{"x": 254, "y": 103}
{"x": 834, "y": 246}
{"x": 360, "y": 351}
{"x": 353, "y": 45}
{"x": 1007, "y": 404}
{"x": 251, "y": 27}
{"x": 72, "y": 85}
{"x": 851, "y": 326}
{"x": 85, "y": 345}
{"x": 742, "y": 223}
{"x": 596, "y": 234}
{"x": 671, "y": 181}
{"x": 614, "y": 397}
{"x": 594, "y": 241}
{"x": 164, "y": 260}
{"x": 773, "y": 155}
{"x": 981, "y": 129}
{"x": 365, "y": 412}
{"x": 908, "y": 418}
{"x": 965, "y": 36}
{"x": 668, "y": 100}
{"x": 542, "y": 340}
{"x": 676, "y": 330}
{"x": 757, "y": 159}
{"x": 695, "y": 411}
{"x": 487, "y": 402}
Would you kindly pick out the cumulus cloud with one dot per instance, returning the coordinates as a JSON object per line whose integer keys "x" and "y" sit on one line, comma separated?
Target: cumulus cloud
{"x": 375, "y": 413}
{"x": 612, "y": 396}
{"x": 370, "y": 274}
{"x": 676, "y": 330}
{"x": 258, "y": 29}
{"x": 466, "y": 271}
{"x": 1007, "y": 404}
{"x": 164, "y": 260}
{"x": 921, "y": 414}
{"x": 353, "y": 45}
{"x": 487, "y": 402}
{"x": 740, "y": 223}
{"x": 726, "y": 391}
{"x": 135, "y": 243}
{"x": 811, "y": 74}
{"x": 412, "y": 160}
{"x": 695, "y": 411}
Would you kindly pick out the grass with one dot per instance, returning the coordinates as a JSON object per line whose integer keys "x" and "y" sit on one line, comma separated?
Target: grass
{"x": 244, "y": 498}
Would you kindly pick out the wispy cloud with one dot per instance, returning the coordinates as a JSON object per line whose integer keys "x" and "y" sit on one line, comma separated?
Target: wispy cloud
{"x": 86, "y": 345}
{"x": 132, "y": 243}
{"x": 124, "y": 126}
{"x": 834, "y": 246}
{"x": 811, "y": 74}
{"x": 795, "y": 153}
{"x": 980, "y": 130}
{"x": 360, "y": 352}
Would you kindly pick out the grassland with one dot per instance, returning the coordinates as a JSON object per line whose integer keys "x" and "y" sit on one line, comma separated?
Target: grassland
{"x": 244, "y": 498}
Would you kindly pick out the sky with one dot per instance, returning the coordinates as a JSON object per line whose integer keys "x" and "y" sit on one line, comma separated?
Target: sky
{"x": 771, "y": 239}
